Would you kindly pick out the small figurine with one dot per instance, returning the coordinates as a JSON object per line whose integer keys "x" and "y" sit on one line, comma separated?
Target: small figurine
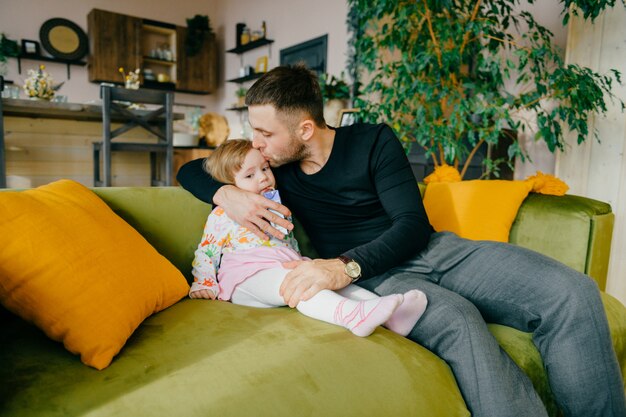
{"x": 131, "y": 80}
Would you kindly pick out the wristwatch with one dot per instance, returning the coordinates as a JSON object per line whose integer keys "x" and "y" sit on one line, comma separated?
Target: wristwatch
{"x": 352, "y": 268}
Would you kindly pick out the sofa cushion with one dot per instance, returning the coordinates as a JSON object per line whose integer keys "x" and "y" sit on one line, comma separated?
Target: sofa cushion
{"x": 479, "y": 210}
{"x": 200, "y": 358}
{"x": 78, "y": 271}
{"x": 185, "y": 361}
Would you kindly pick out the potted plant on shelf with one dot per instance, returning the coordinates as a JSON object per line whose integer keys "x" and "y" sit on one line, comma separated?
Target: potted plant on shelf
{"x": 451, "y": 77}
{"x": 241, "y": 96}
{"x": 336, "y": 95}
{"x": 198, "y": 29}
{"x": 8, "y": 49}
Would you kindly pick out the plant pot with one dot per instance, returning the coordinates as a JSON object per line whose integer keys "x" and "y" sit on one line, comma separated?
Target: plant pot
{"x": 332, "y": 108}
{"x": 185, "y": 139}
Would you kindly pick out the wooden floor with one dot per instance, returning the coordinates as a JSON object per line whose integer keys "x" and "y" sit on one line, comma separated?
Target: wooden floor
{"x": 39, "y": 151}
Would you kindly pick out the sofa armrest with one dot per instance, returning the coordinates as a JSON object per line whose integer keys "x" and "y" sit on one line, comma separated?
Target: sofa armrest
{"x": 574, "y": 230}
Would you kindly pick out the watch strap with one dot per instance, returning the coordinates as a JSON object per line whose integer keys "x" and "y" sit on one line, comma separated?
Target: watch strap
{"x": 344, "y": 259}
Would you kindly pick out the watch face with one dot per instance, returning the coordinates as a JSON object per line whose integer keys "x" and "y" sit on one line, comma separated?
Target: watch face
{"x": 353, "y": 269}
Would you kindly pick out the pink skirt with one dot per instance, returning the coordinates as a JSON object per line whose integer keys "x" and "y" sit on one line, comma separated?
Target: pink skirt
{"x": 236, "y": 267}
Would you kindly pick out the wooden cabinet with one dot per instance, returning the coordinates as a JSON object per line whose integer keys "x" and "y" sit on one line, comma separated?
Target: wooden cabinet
{"x": 197, "y": 72}
{"x": 113, "y": 43}
{"x": 118, "y": 40}
{"x": 183, "y": 155}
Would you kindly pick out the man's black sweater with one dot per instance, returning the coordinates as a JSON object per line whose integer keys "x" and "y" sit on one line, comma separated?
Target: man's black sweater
{"x": 363, "y": 203}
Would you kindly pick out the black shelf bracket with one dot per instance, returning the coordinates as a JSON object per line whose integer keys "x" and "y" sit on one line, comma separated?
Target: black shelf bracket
{"x": 67, "y": 62}
{"x": 250, "y": 45}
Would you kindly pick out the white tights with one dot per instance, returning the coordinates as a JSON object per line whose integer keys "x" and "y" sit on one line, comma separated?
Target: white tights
{"x": 352, "y": 307}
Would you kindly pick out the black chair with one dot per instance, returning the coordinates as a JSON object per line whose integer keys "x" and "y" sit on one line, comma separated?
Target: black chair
{"x": 159, "y": 122}
{"x": 3, "y": 168}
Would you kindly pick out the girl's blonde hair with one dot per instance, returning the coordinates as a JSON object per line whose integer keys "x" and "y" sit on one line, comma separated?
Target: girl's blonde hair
{"x": 227, "y": 159}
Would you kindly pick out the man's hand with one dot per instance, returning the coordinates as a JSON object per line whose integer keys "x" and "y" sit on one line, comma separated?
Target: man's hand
{"x": 252, "y": 211}
{"x": 307, "y": 278}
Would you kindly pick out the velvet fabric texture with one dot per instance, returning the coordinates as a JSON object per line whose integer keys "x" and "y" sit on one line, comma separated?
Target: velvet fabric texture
{"x": 571, "y": 229}
{"x": 201, "y": 358}
{"x": 78, "y": 271}
{"x": 477, "y": 210}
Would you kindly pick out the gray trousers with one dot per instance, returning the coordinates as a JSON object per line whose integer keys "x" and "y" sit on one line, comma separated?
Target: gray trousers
{"x": 470, "y": 283}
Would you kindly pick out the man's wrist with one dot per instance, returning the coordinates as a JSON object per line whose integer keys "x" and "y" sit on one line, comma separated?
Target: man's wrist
{"x": 352, "y": 269}
{"x": 219, "y": 197}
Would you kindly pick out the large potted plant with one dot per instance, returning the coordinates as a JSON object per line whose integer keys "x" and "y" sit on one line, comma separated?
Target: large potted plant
{"x": 453, "y": 76}
{"x": 336, "y": 95}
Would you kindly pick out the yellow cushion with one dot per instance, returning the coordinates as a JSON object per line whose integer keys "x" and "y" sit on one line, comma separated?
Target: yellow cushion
{"x": 78, "y": 271}
{"x": 478, "y": 210}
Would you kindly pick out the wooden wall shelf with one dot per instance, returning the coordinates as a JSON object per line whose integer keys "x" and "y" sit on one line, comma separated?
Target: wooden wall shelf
{"x": 158, "y": 61}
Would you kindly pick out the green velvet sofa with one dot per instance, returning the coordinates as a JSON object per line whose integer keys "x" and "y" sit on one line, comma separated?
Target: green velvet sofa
{"x": 209, "y": 358}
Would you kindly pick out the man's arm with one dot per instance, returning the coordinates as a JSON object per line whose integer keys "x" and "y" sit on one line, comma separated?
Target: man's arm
{"x": 409, "y": 233}
{"x": 194, "y": 179}
{"x": 400, "y": 197}
{"x": 248, "y": 209}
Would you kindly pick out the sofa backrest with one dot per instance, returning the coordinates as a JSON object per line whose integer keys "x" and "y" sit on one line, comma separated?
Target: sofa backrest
{"x": 574, "y": 230}
{"x": 170, "y": 218}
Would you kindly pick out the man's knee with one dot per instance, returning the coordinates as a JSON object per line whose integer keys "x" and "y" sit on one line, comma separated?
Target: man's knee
{"x": 448, "y": 319}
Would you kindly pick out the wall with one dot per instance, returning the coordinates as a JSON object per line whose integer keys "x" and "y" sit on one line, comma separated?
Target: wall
{"x": 547, "y": 14}
{"x": 597, "y": 169}
{"x": 21, "y": 19}
{"x": 288, "y": 23}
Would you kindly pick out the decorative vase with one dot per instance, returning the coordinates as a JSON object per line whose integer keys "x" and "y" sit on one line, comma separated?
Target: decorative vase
{"x": 332, "y": 108}
{"x": 39, "y": 84}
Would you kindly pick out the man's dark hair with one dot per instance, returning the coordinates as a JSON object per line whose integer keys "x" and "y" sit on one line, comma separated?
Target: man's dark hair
{"x": 291, "y": 90}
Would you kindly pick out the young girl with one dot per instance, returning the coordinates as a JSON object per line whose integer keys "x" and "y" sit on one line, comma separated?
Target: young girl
{"x": 231, "y": 263}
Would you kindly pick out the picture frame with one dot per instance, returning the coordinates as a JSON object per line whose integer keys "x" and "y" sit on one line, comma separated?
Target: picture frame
{"x": 261, "y": 65}
{"x": 30, "y": 47}
{"x": 347, "y": 117}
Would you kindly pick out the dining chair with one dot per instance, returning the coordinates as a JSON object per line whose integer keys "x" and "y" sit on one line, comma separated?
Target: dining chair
{"x": 116, "y": 103}
{"x": 3, "y": 168}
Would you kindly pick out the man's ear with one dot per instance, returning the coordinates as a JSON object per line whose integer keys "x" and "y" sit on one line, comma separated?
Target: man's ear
{"x": 307, "y": 129}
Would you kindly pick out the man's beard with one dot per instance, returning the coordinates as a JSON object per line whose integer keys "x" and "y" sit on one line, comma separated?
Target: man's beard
{"x": 296, "y": 151}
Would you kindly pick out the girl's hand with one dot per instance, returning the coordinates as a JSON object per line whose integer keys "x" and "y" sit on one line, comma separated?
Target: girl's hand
{"x": 209, "y": 295}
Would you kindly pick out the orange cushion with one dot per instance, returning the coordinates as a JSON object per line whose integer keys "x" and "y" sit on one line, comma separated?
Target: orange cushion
{"x": 478, "y": 210}
{"x": 78, "y": 271}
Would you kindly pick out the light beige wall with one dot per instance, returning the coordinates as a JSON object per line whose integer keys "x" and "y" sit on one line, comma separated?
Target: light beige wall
{"x": 35, "y": 158}
{"x": 597, "y": 169}
{"x": 548, "y": 14}
{"x": 21, "y": 19}
{"x": 288, "y": 23}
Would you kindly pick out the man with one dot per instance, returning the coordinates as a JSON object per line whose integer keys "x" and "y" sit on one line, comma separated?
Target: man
{"x": 353, "y": 190}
